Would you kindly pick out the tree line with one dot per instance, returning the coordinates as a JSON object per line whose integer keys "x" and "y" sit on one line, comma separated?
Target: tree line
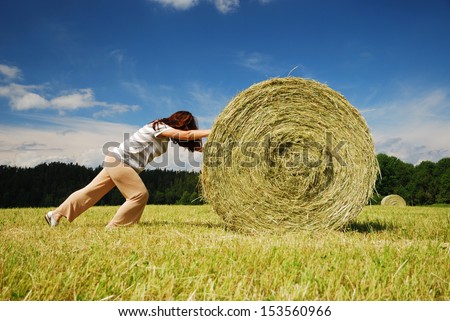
{"x": 424, "y": 184}
{"x": 48, "y": 185}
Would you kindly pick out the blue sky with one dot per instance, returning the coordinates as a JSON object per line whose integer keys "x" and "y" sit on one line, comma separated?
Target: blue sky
{"x": 75, "y": 74}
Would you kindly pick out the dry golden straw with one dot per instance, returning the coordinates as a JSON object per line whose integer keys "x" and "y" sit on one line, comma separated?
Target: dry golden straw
{"x": 393, "y": 200}
{"x": 288, "y": 154}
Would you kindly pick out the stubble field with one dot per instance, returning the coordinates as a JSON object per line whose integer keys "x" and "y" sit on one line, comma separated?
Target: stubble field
{"x": 184, "y": 253}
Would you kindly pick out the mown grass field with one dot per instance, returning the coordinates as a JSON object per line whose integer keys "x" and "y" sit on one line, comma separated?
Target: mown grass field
{"x": 184, "y": 253}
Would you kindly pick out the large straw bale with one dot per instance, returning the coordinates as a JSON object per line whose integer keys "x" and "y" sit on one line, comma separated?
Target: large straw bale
{"x": 288, "y": 154}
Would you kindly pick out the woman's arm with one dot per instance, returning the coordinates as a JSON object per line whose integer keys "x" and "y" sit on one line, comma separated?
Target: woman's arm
{"x": 185, "y": 134}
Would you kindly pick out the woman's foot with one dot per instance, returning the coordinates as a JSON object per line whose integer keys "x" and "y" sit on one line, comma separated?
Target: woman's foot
{"x": 52, "y": 218}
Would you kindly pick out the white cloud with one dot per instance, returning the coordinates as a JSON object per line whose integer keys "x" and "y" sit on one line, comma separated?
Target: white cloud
{"x": 414, "y": 128}
{"x": 177, "y": 4}
{"x": 28, "y": 97}
{"x": 30, "y": 101}
{"x": 21, "y": 97}
{"x": 259, "y": 62}
{"x": 223, "y": 6}
{"x": 79, "y": 99}
{"x": 226, "y": 6}
{"x": 10, "y": 72}
{"x": 115, "y": 109}
{"x": 118, "y": 55}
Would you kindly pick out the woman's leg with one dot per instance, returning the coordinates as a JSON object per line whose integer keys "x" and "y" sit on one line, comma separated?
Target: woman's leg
{"x": 133, "y": 189}
{"x": 81, "y": 200}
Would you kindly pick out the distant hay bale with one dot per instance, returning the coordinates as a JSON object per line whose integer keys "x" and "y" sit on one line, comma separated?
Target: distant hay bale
{"x": 288, "y": 154}
{"x": 393, "y": 200}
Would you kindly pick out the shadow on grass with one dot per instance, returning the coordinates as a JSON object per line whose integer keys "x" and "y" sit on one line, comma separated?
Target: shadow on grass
{"x": 360, "y": 227}
{"x": 182, "y": 224}
{"x": 368, "y": 227}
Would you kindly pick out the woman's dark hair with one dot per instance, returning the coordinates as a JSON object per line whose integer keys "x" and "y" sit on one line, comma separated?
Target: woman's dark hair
{"x": 182, "y": 120}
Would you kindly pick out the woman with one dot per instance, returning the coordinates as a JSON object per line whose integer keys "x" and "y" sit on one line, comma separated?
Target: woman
{"x": 123, "y": 164}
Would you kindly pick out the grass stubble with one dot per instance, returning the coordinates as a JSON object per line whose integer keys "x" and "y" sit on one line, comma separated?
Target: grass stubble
{"x": 185, "y": 253}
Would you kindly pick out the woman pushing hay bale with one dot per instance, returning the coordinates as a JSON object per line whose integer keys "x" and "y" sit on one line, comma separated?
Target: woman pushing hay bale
{"x": 288, "y": 154}
{"x": 393, "y": 200}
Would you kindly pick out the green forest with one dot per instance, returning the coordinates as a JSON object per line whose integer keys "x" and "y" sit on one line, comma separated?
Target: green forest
{"x": 424, "y": 184}
{"x": 49, "y": 184}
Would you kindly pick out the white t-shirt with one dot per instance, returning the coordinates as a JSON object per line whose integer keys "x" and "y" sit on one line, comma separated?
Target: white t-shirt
{"x": 143, "y": 146}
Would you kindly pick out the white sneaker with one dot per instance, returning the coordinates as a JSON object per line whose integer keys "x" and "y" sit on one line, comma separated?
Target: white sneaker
{"x": 50, "y": 220}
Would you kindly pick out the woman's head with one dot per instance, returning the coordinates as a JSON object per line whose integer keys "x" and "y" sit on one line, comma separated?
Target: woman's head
{"x": 182, "y": 120}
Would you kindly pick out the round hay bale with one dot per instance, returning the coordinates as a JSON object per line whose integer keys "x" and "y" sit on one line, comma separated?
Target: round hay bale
{"x": 288, "y": 154}
{"x": 393, "y": 200}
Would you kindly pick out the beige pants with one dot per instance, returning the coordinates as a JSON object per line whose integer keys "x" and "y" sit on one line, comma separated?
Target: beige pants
{"x": 127, "y": 181}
